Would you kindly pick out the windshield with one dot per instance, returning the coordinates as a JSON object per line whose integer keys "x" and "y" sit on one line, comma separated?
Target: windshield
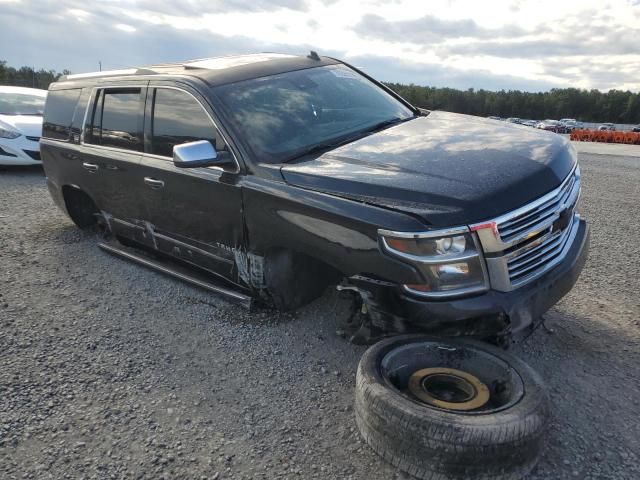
{"x": 283, "y": 116}
{"x": 21, "y": 104}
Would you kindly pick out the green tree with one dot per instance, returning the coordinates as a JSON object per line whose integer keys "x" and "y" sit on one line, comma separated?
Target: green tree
{"x": 28, "y": 76}
{"x": 586, "y": 105}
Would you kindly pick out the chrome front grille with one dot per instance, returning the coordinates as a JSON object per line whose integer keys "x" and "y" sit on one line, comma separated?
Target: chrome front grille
{"x": 523, "y": 244}
{"x": 521, "y": 226}
{"x": 530, "y": 260}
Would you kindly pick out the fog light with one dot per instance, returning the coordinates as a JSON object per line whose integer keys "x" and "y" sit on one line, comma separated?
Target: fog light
{"x": 452, "y": 270}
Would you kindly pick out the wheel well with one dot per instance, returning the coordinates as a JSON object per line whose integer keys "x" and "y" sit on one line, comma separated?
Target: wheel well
{"x": 80, "y": 207}
{"x": 294, "y": 279}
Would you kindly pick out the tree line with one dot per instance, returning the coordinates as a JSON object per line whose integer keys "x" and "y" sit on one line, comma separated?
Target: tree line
{"x": 615, "y": 106}
{"x": 28, "y": 76}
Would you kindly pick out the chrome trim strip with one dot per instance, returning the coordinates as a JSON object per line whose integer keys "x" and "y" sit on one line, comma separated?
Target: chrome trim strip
{"x": 446, "y": 294}
{"x": 445, "y": 232}
{"x": 432, "y": 260}
{"x": 530, "y": 206}
{"x": 52, "y": 141}
{"x": 112, "y": 149}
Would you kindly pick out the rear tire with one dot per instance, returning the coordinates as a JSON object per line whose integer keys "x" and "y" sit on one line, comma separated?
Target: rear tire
{"x": 80, "y": 207}
{"x": 500, "y": 441}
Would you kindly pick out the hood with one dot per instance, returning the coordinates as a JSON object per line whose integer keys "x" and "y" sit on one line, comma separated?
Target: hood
{"x": 28, "y": 125}
{"x": 447, "y": 168}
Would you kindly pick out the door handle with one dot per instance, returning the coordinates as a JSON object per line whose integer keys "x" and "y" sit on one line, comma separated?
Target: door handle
{"x": 153, "y": 183}
{"x": 92, "y": 167}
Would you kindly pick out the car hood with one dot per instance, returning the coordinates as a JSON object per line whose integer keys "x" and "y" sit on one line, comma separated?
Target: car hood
{"x": 447, "y": 168}
{"x": 30, "y": 125}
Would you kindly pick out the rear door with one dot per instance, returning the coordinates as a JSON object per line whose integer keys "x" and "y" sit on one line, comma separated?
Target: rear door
{"x": 110, "y": 154}
{"x": 195, "y": 213}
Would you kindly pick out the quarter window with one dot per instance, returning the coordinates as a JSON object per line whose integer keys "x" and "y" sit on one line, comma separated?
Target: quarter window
{"x": 58, "y": 113}
{"x": 179, "y": 118}
{"x": 115, "y": 121}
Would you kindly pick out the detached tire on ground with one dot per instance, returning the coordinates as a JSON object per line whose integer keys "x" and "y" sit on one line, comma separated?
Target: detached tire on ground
{"x": 422, "y": 404}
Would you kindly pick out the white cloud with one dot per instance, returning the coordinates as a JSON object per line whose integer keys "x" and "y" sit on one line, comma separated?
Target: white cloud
{"x": 79, "y": 14}
{"x": 124, "y": 27}
{"x": 462, "y": 43}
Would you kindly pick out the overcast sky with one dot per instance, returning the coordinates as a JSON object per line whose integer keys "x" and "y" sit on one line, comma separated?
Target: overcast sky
{"x": 507, "y": 44}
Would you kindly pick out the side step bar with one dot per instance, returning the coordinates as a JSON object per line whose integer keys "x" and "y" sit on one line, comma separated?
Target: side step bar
{"x": 176, "y": 272}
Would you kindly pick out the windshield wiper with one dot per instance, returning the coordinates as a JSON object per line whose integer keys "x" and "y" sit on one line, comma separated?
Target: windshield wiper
{"x": 320, "y": 147}
{"x": 386, "y": 123}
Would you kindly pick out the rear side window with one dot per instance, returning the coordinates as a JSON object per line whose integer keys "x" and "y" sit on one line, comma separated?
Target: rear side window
{"x": 116, "y": 119}
{"x": 58, "y": 113}
{"x": 179, "y": 118}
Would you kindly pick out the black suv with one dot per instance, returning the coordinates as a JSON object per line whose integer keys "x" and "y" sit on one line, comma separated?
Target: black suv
{"x": 285, "y": 174}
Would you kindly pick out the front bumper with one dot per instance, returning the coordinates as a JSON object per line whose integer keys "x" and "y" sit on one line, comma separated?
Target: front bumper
{"x": 19, "y": 151}
{"x": 489, "y": 314}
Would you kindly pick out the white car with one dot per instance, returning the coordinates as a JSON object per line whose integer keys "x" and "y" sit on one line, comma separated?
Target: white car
{"x": 21, "y": 112}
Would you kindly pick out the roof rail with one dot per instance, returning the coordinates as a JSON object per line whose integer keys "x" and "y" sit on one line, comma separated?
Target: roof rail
{"x": 108, "y": 73}
{"x": 145, "y": 71}
{"x": 104, "y": 73}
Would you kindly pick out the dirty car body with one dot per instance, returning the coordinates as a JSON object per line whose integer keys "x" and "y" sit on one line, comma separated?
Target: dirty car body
{"x": 319, "y": 175}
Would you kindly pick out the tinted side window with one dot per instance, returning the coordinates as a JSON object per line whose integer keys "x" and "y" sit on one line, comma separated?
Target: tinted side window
{"x": 58, "y": 113}
{"x": 115, "y": 120}
{"x": 78, "y": 116}
{"x": 179, "y": 118}
{"x": 120, "y": 119}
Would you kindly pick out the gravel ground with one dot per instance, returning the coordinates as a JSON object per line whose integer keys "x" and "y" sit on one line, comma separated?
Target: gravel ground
{"x": 109, "y": 370}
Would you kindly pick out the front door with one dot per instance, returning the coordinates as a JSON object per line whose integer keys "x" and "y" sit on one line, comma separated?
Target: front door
{"x": 194, "y": 214}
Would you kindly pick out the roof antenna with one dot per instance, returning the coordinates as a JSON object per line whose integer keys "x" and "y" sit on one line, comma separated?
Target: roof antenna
{"x": 313, "y": 55}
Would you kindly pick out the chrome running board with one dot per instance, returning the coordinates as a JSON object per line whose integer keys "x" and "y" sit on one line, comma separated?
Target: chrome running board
{"x": 176, "y": 271}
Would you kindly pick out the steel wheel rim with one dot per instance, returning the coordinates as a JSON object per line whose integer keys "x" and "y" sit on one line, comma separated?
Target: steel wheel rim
{"x": 448, "y": 388}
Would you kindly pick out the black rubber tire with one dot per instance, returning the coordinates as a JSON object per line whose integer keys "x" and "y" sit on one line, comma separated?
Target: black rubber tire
{"x": 431, "y": 443}
{"x": 80, "y": 207}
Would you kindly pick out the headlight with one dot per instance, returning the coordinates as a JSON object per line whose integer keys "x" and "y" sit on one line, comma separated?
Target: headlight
{"x": 449, "y": 261}
{"x": 4, "y": 133}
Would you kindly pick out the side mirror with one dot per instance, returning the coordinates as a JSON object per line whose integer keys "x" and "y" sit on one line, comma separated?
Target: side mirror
{"x": 199, "y": 154}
